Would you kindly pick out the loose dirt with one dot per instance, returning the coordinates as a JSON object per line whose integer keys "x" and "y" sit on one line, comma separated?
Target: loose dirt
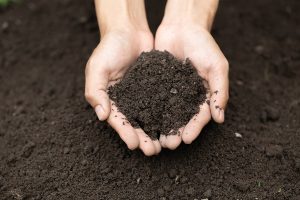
{"x": 159, "y": 93}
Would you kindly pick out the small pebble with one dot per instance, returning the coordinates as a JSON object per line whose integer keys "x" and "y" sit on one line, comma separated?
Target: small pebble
{"x": 174, "y": 91}
{"x": 138, "y": 181}
{"x": 177, "y": 180}
{"x": 274, "y": 150}
{"x": 241, "y": 186}
{"x": 238, "y": 135}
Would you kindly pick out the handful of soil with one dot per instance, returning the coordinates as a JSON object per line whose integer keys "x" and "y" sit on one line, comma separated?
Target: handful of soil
{"x": 159, "y": 93}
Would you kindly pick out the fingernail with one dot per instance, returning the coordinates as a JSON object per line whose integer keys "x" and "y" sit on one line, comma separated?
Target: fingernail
{"x": 99, "y": 111}
{"x": 222, "y": 115}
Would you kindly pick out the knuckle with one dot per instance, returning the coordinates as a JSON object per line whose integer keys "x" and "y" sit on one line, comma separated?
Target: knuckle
{"x": 223, "y": 65}
{"x": 89, "y": 96}
{"x": 90, "y": 63}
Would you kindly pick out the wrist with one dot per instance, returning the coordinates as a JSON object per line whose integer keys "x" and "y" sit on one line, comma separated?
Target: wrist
{"x": 199, "y": 13}
{"x": 125, "y": 15}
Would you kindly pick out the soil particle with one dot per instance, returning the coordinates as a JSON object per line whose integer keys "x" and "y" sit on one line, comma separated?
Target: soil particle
{"x": 160, "y": 192}
{"x": 297, "y": 164}
{"x": 66, "y": 150}
{"x": 207, "y": 194}
{"x": 296, "y": 197}
{"x": 160, "y": 98}
{"x": 28, "y": 149}
{"x": 167, "y": 187}
{"x": 190, "y": 191}
{"x": 241, "y": 186}
{"x": 184, "y": 180}
{"x": 269, "y": 114}
{"x": 172, "y": 173}
{"x": 177, "y": 179}
{"x": 88, "y": 149}
{"x": 272, "y": 113}
{"x": 274, "y": 150}
{"x": 2, "y": 182}
{"x": 84, "y": 162}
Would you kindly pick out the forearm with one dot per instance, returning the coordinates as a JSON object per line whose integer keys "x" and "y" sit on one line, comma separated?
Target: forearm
{"x": 201, "y": 12}
{"x": 121, "y": 14}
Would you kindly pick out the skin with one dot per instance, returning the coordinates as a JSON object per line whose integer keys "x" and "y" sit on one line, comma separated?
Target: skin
{"x": 184, "y": 32}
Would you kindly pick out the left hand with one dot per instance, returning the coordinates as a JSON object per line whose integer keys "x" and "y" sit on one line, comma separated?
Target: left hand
{"x": 196, "y": 43}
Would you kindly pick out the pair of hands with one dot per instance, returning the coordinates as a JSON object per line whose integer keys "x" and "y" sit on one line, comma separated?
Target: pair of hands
{"x": 118, "y": 49}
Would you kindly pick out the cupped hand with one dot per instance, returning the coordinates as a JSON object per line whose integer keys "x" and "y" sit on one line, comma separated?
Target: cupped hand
{"x": 196, "y": 43}
{"x": 110, "y": 60}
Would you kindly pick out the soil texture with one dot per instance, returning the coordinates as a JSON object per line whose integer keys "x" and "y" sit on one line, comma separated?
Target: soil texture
{"x": 159, "y": 93}
{"x": 53, "y": 147}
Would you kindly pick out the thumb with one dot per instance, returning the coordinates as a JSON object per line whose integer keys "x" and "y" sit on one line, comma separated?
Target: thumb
{"x": 96, "y": 81}
{"x": 219, "y": 86}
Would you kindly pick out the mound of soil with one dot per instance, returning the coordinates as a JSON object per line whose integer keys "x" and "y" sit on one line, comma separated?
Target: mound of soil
{"x": 159, "y": 93}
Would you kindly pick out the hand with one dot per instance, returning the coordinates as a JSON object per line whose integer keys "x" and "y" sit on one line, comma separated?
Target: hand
{"x": 108, "y": 63}
{"x": 189, "y": 40}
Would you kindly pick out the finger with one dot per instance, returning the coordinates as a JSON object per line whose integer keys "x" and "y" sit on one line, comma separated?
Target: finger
{"x": 173, "y": 141}
{"x": 157, "y": 146}
{"x": 219, "y": 86}
{"x": 126, "y": 132}
{"x": 96, "y": 81}
{"x": 146, "y": 143}
{"x": 162, "y": 140}
{"x": 196, "y": 124}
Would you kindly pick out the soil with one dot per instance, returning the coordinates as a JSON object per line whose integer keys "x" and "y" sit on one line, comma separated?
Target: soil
{"x": 159, "y": 93}
{"x": 53, "y": 147}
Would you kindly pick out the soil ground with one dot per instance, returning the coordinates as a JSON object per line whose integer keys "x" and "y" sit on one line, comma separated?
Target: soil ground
{"x": 53, "y": 147}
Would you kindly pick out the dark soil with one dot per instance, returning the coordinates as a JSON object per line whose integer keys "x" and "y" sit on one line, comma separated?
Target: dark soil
{"x": 53, "y": 147}
{"x": 159, "y": 93}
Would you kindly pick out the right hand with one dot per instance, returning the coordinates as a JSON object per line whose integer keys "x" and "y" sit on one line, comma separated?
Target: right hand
{"x": 110, "y": 60}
